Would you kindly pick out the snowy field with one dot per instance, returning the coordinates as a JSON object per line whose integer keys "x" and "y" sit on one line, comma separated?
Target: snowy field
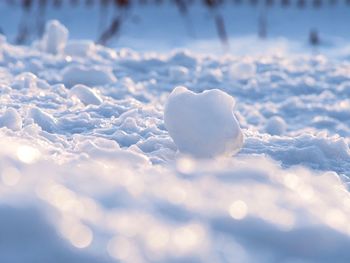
{"x": 90, "y": 167}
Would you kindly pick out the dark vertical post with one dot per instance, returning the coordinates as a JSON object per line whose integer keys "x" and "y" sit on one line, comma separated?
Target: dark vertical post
{"x": 40, "y": 22}
{"x": 114, "y": 28}
{"x": 262, "y": 22}
{"x": 219, "y": 22}
{"x": 23, "y": 30}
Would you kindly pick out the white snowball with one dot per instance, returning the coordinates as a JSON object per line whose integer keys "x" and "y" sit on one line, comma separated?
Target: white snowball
{"x": 89, "y": 76}
{"x": 85, "y": 95}
{"x": 203, "y": 125}
{"x": 11, "y": 119}
{"x": 276, "y": 126}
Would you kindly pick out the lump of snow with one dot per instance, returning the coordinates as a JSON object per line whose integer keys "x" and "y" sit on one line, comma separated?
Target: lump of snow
{"x": 55, "y": 37}
{"x": 183, "y": 58}
{"x": 79, "y": 48}
{"x": 11, "y": 119}
{"x": 243, "y": 70}
{"x": 26, "y": 80}
{"x": 203, "y": 125}
{"x": 276, "y": 126}
{"x": 85, "y": 95}
{"x": 92, "y": 76}
{"x": 43, "y": 119}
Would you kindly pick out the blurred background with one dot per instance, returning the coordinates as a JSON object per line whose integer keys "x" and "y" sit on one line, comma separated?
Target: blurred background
{"x": 241, "y": 26}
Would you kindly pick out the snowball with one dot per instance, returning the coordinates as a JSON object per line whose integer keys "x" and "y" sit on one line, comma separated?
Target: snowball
{"x": 276, "y": 126}
{"x": 243, "y": 70}
{"x": 203, "y": 125}
{"x": 85, "y": 95}
{"x": 89, "y": 76}
{"x": 55, "y": 37}
{"x": 79, "y": 48}
{"x": 11, "y": 119}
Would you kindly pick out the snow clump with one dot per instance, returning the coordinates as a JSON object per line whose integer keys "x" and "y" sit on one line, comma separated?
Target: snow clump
{"x": 11, "y": 119}
{"x": 85, "y": 95}
{"x": 79, "y": 48}
{"x": 55, "y": 37}
{"x": 276, "y": 126}
{"x": 89, "y": 76}
{"x": 243, "y": 70}
{"x": 203, "y": 125}
{"x": 44, "y": 120}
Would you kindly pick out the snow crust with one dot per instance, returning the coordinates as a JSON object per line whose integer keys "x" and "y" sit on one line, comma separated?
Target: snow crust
{"x": 203, "y": 125}
{"x": 91, "y": 174}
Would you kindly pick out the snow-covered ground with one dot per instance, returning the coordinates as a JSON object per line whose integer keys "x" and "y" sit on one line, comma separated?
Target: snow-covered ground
{"x": 89, "y": 172}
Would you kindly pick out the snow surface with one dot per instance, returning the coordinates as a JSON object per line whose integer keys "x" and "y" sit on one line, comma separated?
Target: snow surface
{"x": 89, "y": 173}
{"x": 203, "y": 125}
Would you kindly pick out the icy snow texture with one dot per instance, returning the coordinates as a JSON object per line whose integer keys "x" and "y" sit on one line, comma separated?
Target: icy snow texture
{"x": 102, "y": 183}
{"x": 203, "y": 125}
{"x": 55, "y": 37}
